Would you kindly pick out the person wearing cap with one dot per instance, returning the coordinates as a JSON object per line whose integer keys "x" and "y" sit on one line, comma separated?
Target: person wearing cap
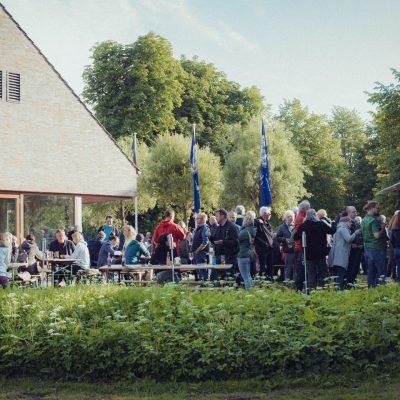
{"x": 226, "y": 242}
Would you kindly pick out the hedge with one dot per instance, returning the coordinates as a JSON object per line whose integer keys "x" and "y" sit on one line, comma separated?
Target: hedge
{"x": 172, "y": 333}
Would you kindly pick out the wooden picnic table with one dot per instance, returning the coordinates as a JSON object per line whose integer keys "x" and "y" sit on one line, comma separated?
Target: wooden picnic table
{"x": 14, "y": 267}
{"x": 64, "y": 262}
{"x": 141, "y": 268}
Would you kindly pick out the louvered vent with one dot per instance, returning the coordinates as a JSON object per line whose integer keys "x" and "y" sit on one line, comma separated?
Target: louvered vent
{"x": 13, "y": 87}
{"x": 1, "y": 84}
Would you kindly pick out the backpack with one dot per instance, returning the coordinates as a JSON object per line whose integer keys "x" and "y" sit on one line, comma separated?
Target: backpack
{"x": 22, "y": 256}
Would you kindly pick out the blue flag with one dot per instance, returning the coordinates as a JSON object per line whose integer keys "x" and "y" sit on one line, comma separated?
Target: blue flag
{"x": 265, "y": 187}
{"x": 193, "y": 162}
{"x": 134, "y": 150}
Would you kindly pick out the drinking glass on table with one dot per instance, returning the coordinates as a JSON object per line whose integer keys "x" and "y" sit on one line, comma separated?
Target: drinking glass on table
{"x": 222, "y": 259}
{"x": 56, "y": 254}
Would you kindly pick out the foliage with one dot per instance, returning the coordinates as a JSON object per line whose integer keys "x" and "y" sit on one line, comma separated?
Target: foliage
{"x": 386, "y": 156}
{"x": 108, "y": 332}
{"x": 168, "y": 174}
{"x": 313, "y": 138}
{"x": 355, "y": 142}
{"x": 134, "y": 88}
{"x": 242, "y": 168}
{"x": 213, "y": 102}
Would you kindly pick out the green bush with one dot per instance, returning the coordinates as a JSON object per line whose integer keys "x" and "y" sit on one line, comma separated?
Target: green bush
{"x": 109, "y": 332}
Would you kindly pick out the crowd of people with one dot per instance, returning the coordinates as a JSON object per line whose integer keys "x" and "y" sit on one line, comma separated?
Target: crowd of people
{"x": 307, "y": 249}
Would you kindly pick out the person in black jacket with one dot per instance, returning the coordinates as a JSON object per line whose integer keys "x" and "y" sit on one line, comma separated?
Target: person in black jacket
{"x": 94, "y": 246}
{"x": 316, "y": 242}
{"x": 264, "y": 242}
{"x": 226, "y": 242}
{"x": 284, "y": 236}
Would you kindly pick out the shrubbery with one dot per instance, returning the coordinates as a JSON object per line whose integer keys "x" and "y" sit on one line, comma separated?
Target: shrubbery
{"x": 108, "y": 332}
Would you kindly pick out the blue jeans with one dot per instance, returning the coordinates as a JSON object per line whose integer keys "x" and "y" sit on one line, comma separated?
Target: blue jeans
{"x": 376, "y": 267}
{"x": 201, "y": 258}
{"x": 396, "y": 252}
{"x": 339, "y": 272}
{"x": 244, "y": 268}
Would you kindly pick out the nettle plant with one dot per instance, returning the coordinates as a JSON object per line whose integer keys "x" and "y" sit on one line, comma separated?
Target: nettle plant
{"x": 172, "y": 333}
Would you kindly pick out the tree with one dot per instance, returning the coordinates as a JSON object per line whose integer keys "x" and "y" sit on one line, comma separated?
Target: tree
{"x": 242, "y": 169}
{"x": 350, "y": 129}
{"x": 169, "y": 174}
{"x": 387, "y": 124}
{"x": 321, "y": 153}
{"x": 134, "y": 88}
{"x": 355, "y": 143}
{"x": 213, "y": 102}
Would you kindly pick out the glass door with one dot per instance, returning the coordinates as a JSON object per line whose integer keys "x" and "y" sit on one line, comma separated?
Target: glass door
{"x": 8, "y": 215}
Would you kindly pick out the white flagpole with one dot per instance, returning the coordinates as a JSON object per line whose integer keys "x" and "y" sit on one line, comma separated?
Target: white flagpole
{"x": 136, "y": 197}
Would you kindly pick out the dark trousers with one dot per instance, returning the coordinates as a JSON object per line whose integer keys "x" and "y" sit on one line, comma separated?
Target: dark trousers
{"x": 354, "y": 265}
{"x": 225, "y": 274}
{"x": 339, "y": 272}
{"x": 299, "y": 267}
{"x": 265, "y": 260}
{"x": 315, "y": 270}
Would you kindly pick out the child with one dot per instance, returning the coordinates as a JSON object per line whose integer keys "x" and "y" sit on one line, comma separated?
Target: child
{"x": 5, "y": 258}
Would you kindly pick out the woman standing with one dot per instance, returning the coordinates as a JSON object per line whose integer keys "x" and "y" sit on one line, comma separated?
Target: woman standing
{"x": 341, "y": 250}
{"x": 5, "y": 258}
{"x": 284, "y": 236}
{"x": 246, "y": 239}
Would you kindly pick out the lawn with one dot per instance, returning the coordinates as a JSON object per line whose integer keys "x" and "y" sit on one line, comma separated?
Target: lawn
{"x": 339, "y": 388}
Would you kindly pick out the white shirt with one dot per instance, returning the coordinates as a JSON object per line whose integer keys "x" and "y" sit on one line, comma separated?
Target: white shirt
{"x": 81, "y": 253}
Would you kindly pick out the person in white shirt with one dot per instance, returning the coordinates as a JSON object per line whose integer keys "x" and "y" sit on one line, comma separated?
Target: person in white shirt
{"x": 81, "y": 253}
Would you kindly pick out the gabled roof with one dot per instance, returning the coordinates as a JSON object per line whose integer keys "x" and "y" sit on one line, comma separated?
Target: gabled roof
{"x": 53, "y": 116}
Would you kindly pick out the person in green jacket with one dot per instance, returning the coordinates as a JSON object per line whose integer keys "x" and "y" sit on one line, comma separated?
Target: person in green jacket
{"x": 375, "y": 243}
{"x": 246, "y": 239}
{"x": 135, "y": 250}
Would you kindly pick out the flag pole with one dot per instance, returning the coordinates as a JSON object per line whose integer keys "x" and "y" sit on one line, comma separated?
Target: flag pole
{"x": 136, "y": 197}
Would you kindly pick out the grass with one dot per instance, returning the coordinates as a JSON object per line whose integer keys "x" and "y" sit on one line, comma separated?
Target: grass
{"x": 311, "y": 387}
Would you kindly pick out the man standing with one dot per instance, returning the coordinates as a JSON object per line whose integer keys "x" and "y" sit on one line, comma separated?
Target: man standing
{"x": 299, "y": 277}
{"x": 166, "y": 227}
{"x": 109, "y": 228}
{"x": 374, "y": 236}
{"x": 232, "y": 217}
{"x": 264, "y": 242}
{"x": 226, "y": 241}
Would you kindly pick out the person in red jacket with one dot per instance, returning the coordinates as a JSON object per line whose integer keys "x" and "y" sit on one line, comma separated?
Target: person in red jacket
{"x": 304, "y": 206}
{"x": 166, "y": 227}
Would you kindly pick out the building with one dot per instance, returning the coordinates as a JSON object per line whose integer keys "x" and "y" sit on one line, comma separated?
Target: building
{"x": 54, "y": 154}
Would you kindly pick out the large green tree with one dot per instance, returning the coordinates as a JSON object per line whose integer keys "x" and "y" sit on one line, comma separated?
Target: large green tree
{"x": 321, "y": 155}
{"x": 168, "y": 175}
{"x": 134, "y": 88}
{"x": 356, "y": 142}
{"x": 213, "y": 102}
{"x": 242, "y": 169}
{"x": 386, "y": 156}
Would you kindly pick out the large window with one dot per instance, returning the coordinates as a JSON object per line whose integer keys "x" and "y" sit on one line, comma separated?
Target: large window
{"x": 8, "y": 215}
{"x": 43, "y": 215}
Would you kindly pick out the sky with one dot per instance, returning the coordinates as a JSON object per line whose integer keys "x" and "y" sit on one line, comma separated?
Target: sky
{"x": 324, "y": 52}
